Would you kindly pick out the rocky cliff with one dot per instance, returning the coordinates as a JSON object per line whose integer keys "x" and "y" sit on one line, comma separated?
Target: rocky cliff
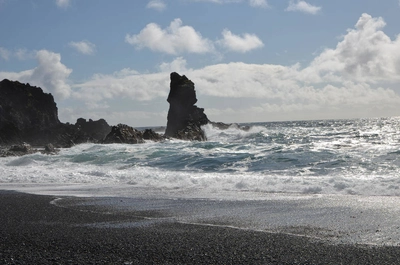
{"x": 27, "y": 114}
{"x": 25, "y": 111}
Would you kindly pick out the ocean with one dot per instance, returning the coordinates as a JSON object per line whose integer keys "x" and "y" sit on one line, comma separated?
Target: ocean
{"x": 353, "y": 164}
{"x": 346, "y": 157}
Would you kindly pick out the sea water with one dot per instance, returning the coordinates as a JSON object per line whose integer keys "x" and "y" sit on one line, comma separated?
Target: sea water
{"x": 347, "y": 157}
{"x": 353, "y": 164}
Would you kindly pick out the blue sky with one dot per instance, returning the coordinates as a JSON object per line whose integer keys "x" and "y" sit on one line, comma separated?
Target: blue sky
{"x": 251, "y": 60}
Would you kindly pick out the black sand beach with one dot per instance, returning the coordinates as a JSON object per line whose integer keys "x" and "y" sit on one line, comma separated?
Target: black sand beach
{"x": 35, "y": 231}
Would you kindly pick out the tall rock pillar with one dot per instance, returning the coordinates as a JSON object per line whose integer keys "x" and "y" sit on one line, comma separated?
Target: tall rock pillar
{"x": 184, "y": 118}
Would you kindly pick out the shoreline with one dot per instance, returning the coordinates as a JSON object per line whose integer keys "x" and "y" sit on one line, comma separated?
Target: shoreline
{"x": 34, "y": 230}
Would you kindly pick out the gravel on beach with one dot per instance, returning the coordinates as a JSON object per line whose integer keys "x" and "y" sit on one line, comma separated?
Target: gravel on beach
{"x": 35, "y": 231}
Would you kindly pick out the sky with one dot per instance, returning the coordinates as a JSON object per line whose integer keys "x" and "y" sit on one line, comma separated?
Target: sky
{"x": 250, "y": 60}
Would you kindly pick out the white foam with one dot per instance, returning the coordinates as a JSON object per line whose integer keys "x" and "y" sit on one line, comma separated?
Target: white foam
{"x": 262, "y": 160}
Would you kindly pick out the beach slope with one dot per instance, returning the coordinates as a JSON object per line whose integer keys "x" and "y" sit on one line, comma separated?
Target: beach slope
{"x": 35, "y": 231}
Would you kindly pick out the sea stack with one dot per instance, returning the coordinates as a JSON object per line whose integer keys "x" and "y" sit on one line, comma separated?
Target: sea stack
{"x": 184, "y": 117}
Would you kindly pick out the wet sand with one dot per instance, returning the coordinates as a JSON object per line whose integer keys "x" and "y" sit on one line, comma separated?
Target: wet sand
{"x": 35, "y": 231}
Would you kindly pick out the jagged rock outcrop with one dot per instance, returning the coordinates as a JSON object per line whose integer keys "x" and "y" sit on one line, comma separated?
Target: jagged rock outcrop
{"x": 124, "y": 134}
{"x": 224, "y": 126}
{"x": 25, "y": 112}
{"x": 18, "y": 150}
{"x": 28, "y": 115}
{"x": 50, "y": 149}
{"x": 97, "y": 130}
{"x": 149, "y": 134}
{"x": 184, "y": 117}
{"x": 25, "y": 149}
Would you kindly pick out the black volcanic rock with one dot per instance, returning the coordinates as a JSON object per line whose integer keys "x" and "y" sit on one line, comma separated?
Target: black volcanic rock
{"x": 97, "y": 130}
{"x": 149, "y": 134}
{"x": 50, "y": 149}
{"x": 192, "y": 131}
{"x": 24, "y": 111}
{"x": 224, "y": 126}
{"x": 28, "y": 115}
{"x": 184, "y": 118}
{"x": 17, "y": 150}
{"x": 123, "y": 133}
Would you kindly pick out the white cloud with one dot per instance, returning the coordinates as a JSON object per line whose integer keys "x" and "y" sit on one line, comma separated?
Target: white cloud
{"x": 84, "y": 47}
{"x": 158, "y": 5}
{"x": 349, "y": 100}
{"x": 258, "y": 3}
{"x": 4, "y": 53}
{"x": 125, "y": 83}
{"x": 50, "y": 74}
{"x": 22, "y": 76}
{"x": 178, "y": 39}
{"x": 238, "y": 80}
{"x": 177, "y": 65}
{"x": 24, "y": 54}
{"x": 366, "y": 54}
{"x": 303, "y": 6}
{"x": 175, "y": 39}
{"x": 278, "y": 87}
{"x": 237, "y": 43}
{"x": 20, "y": 54}
{"x": 63, "y": 3}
